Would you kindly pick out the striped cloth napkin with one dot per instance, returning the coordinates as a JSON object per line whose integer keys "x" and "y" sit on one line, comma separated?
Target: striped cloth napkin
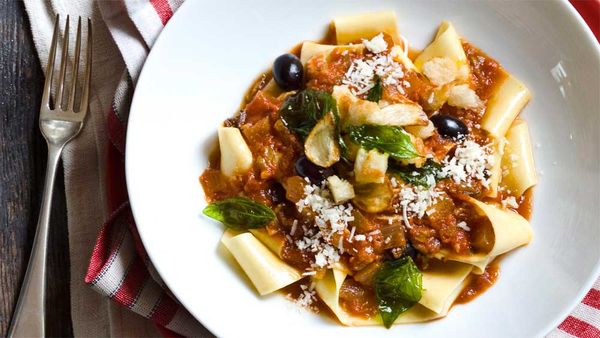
{"x": 119, "y": 268}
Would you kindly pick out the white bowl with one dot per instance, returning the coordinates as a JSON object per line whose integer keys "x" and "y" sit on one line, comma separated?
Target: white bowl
{"x": 210, "y": 52}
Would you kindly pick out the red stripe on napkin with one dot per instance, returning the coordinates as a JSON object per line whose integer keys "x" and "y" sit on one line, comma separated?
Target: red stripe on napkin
{"x": 131, "y": 286}
{"x": 579, "y": 328}
{"x": 163, "y": 9}
{"x": 592, "y": 299}
{"x": 101, "y": 253}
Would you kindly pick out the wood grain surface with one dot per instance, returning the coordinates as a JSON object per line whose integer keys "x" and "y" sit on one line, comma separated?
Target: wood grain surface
{"x": 22, "y": 169}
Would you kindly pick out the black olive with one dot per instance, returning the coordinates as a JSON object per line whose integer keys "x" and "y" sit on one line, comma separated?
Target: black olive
{"x": 276, "y": 192}
{"x": 316, "y": 175}
{"x": 288, "y": 72}
{"x": 449, "y": 126}
{"x": 410, "y": 251}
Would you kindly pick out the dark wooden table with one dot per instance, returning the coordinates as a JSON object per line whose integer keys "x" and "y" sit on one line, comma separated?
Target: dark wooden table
{"x": 22, "y": 169}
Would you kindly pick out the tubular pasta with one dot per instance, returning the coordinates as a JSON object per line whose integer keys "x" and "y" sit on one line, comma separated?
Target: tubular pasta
{"x": 504, "y": 106}
{"x": 445, "y": 45}
{"x": 518, "y": 159}
{"x": 510, "y": 229}
{"x": 442, "y": 283}
{"x": 350, "y": 29}
{"x": 310, "y": 49}
{"x": 497, "y": 168}
{"x": 267, "y": 272}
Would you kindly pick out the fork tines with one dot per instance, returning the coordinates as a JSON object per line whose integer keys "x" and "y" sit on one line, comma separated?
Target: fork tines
{"x": 60, "y": 91}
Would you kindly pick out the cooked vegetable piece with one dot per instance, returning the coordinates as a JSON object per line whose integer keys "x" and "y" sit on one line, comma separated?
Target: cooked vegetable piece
{"x": 418, "y": 176}
{"x": 321, "y": 147}
{"x": 376, "y": 92}
{"x": 302, "y": 111}
{"x": 341, "y": 190}
{"x": 370, "y": 166}
{"x": 344, "y": 99}
{"x": 373, "y": 197}
{"x": 449, "y": 126}
{"x": 236, "y": 157}
{"x": 294, "y": 187}
{"x": 422, "y": 132}
{"x": 361, "y": 112}
{"x": 399, "y": 115}
{"x": 288, "y": 72}
{"x": 391, "y": 140}
{"x": 398, "y": 286}
{"x": 366, "y": 275}
{"x": 240, "y": 213}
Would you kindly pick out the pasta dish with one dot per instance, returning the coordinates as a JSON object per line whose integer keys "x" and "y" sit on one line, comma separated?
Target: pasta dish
{"x": 374, "y": 182}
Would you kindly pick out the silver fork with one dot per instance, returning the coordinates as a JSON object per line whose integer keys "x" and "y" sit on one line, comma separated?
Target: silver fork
{"x": 59, "y": 126}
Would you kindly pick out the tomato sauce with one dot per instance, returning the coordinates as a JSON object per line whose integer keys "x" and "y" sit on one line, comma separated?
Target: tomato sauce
{"x": 486, "y": 73}
{"x": 357, "y": 299}
{"x": 294, "y": 291}
{"x": 478, "y": 284}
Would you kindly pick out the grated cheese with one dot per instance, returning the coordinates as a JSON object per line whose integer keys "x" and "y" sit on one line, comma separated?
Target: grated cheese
{"x": 308, "y": 295}
{"x": 470, "y": 161}
{"x": 376, "y": 45}
{"x": 464, "y": 97}
{"x": 350, "y": 238}
{"x": 463, "y": 225}
{"x": 329, "y": 219}
{"x": 359, "y": 238}
{"x": 360, "y": 76}
{"x": 510, "y": 201}
{"x": 440, "y": 70}
{"x": 418, "y": 199}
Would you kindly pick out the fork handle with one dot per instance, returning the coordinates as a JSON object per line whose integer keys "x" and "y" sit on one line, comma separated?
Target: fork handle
{"x": 29, "y": 316}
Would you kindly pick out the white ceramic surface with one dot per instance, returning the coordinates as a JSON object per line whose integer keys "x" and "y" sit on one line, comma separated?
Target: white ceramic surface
{"x": 210, "y": 52}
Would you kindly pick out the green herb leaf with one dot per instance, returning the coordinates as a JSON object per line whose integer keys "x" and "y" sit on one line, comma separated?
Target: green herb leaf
{"x": 392, "y": 140}
{"x": 301, "y": 112}
{"x": 338, "y": 135}
{"x": 417, "y": 176}
{"x": 398, "y": 286}
{"x": 376, "y": 92}
{"x": 240, "y": 213}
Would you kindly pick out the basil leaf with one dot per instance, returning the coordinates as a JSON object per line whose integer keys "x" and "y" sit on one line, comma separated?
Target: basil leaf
{"x": 398, "y": 286}
{"x": 388, "y": 139}
{"x": 376, "y": 92}
{"x": 301, "y": 112}
{"x": 417, "y": 176}
{"x": 240, "y": 213}
{"x": 338, "y": 135}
